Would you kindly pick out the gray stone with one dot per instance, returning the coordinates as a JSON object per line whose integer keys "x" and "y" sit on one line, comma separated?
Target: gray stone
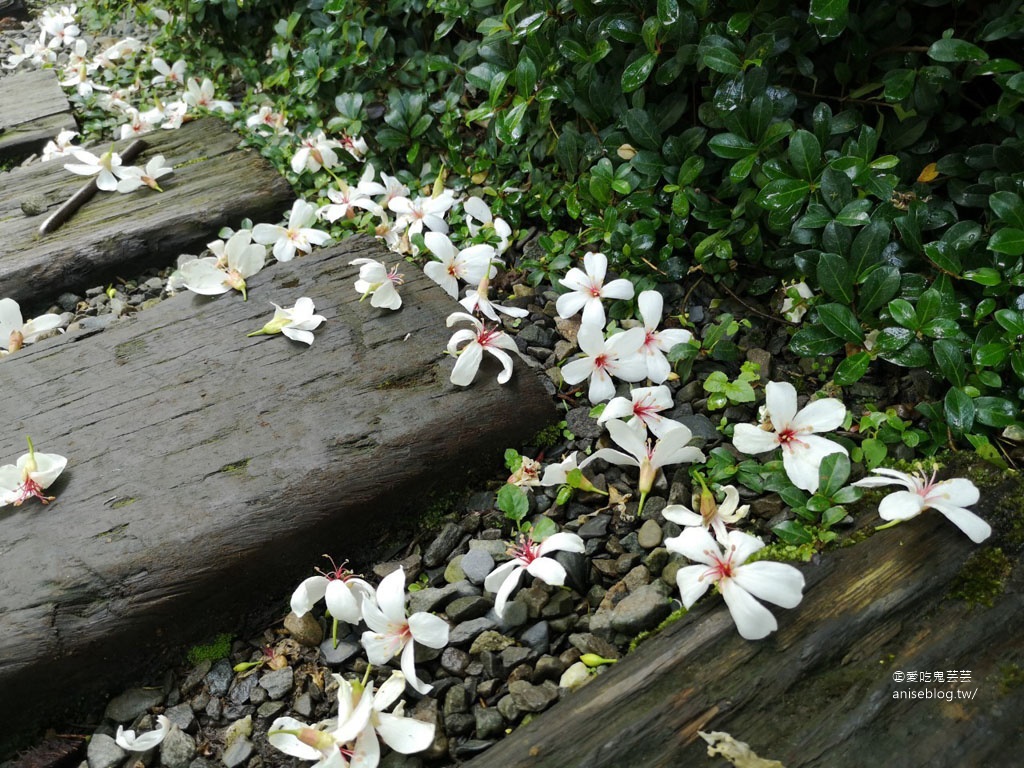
{"x": 257, "y": 696}
{"x": 514, "y": 615}
{"x": 489, "y": 722}
{"x": 630, "y": 543}
{"x": 641, "y": 610}
{"x": 537, "y": 637}
{"x": 459, "y": 724}
{"x": 559, "y": 603}
{"x": 467, "y": 630}
{"x": 577, "y": 569}
{"x": 587, "y": 642}
{"x": 219, "y": 678}
{"x": 492, "y": 641}
{"x": 455, "y": 701}
{"x": 305, "y": 629}
{"x": 182, "y": 716}
{"x": 467, "y": 608}
{"x": 132, "y": 703}
{"x": 534, "y": 598}
{"x": 515, "y": 655}
{"x": 344, "y": 651}
{"x": 569, "y": 328}
{"x": 215, "y": 708}
{"x": 453, "y": 572}
{"x": 507, "y": 707}
{"x": 413, "y": 565}
{"x": 68, "y": 301}
{"x": 656, "y": 560}
{"x": 432, "y": 599}
{"x": 533, "y": 698}
{"x": 241, "y": 688}
{"x": 537, "y": 335}
{"x": 548, "y": 668}
{"x": 237, "y": 753}
{"x": 278, "y": 682}
{"x": 269, "y": 709}
{"x": 454, "y": 661}
{"x": 476, "y": 564}
{"x": 103, "y": 752}
{"x": 303, "y": 705}
{"x": 398, "y": 760}
{"x": 579, "y": 422}
{"x": 649, "y": 536}
{"x": 177, "y": 749}
{"x": 595, "y": 528}
{"x": 34, "y": 205}
{"x": 444, "y": 542}
{"x": 703, "y": 428}
{"x": 496, "y": 548}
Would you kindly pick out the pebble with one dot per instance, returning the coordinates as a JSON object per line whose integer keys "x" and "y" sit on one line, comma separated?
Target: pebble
{"x": 468, "y": 630}
{"x": 237, "y": 753}
{"x": 467, "y": 608}
{"x": 532, "y": 698}
{"x": 177, "y": 749}
{"x": 641, "y": 610}
{"x": 336, "y": 655}
{"x": 650, "y": 535}
{"x": 454, "y": 573}
{"x": 132, "y": 703}
{"x": 278, "y": 682}
{"x": 305, "y": 629}
{"x": 103, "y": 752}
{"x": 490, "y": 640}
{"x": 489, "y": 722}
{"x": 594, "y": 528}
{"x": 476, "y": 565}
{"x": 444, "y": 542}
{"x": 219, "y": 678}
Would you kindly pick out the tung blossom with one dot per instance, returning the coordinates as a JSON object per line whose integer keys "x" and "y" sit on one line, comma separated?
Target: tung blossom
{"x": 297, "y": 323}
{"x": 201, "y": 95}
{"x": 33, "y": 474}
{"x": 470, "y": 265}
{"x": 671, "y": 449}
{"x": 794, "y": 432}
{"x": 645, "y": 405}
{"x": 378, "y": 281}
{"x": 712, "y": 514}
{"x": 341, "y": 589}
{"x": 742, "y": 585}
{"x": 169, "y": 74}
{"x": 144, "y": 741}
{"x": 950, "y": 497}
{"x": 479, "y": 218}
{"x": 658, "y": 343}
{"x": 345, "y": 199}
{"x": 477, "y": 301}
{"x": 15, "y": 332}
{"x": 618, "y": 356}
{"x": 481, "y": 338}
{"x": 106, "y": 168}
{"x": 429, "y": 212}
{"x": 132, "y": 178}
{"x": 587, "y": 289}
{"x": 211, "y": 276}
{"x": 391, "y": 632}
{"x": 60, "y": 146}
{"x": 315, "y": 152}
{"x": 299, "y": 235}
{"x": 533, "y": 558}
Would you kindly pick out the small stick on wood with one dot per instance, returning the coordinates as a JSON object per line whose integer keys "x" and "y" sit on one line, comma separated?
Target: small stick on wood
{"x": 82, "y": 196}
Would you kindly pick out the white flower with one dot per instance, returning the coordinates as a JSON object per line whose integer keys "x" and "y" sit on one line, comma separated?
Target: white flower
{"x": 299, "y": 235}
{"x": 469, "y": 265}
{"x": 315, "y": 152}
{"x": 377, "y": 281}
{"x": 308, "y": 742}
{"x": 342, "y": 590}
{"x": 169, "y": 74}
{"x": 201, "y": 95}
{"x": 355, "y": 146}
{"x": 950, "y": 497}
{"x": 138, "y": 125}
{"x": 531, "y": 557}
{"x": 15, "y": 333}
{"x": 618, "y": 356}
{"x": 644, "y": 405}
{"x": 658, "y": 343}
{"x": 587, "y": 289}
{"x": 391, "y": 632}
{"x": 105, "y": 168}
{"x": 240, "y": 259}
{"x": 477, "y": 301}
{"x": 59, "y": 147}
{"x": 493, "y": 340}
{"x": 793, "y": 431}
{"x": 794, "y": 310}
{"x": 266, "y": 117}
{"x": 429, "y": 212}
{"x": 344, "y": 200}
{"x": 61, "y": 30}
{"x": 528, "y": 473}
{"x": 479, "y": 217}
{"x": 741, "y": 585}
{"x": 671, "y": 449}
{"x": 712, "y": 515}
{"x": 144, "y": 741}
{"x": 297, "y": 323}
{"x": 174, "y": 114}
{"x": 558, "y": 473}
{"x": 132, "y": 178}
{"x": 33, "y": 474}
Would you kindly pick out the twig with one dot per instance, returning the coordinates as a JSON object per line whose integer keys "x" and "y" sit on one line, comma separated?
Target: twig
{"x": 83, "y": 195}
{"x": 755, "y": 310}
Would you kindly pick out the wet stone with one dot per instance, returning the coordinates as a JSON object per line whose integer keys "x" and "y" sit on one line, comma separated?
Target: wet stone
{"x": 515, "y": 655}
{"x": 466, "y": 608}
{"x": 454, "y": 661}
{"x": 460, "y": 724}
{"x": 489, "y": 722}
{"x": 214, "y": 708}
{"x": 257, "y": 696}
{"x": 579, "y": 422}
{"x": 537, "y": 637}
{"x": 455, "y": 701}
{"x": 548, "y": 668}
{"x": 560, "y": 603}
{"x": 595, "y": 527}
{"x": 177, "y": 749}
{"x": 508, "y": 709}
{"x": 199, "y": 702}
{"x": 468, "y": 630}
{"x": 344, "y": 651}
{"x": 218, "y": 680}
{"x": 534, "y": 598}
{"x": 132, "y": 703}
{"x": 476, "y": 564}
{"x": 103, "y": 752}
{"x": 492, "y": 664}
{"x": 241, "y": 689}
{"x": 278, "y": 682}
{"x": 492, "y": 641}
{"x": 305, "y": 629}
{"x": 444, "y": 542}
{"x": 533, "y": 698}
{"x": 649, "y": 536}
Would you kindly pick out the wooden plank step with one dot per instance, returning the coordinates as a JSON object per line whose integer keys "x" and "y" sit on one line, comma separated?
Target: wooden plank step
{"x": 209, "y": 471}
{"x": 33, "y": 110}
{"x": 214, "y": 184}
{"x": 820, "y": 691}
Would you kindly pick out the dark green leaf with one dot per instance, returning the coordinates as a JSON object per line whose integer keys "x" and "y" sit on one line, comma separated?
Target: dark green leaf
{"x": 543, "y": 528}
{"x": 512, "y": 500}
{"x": 950, "y": 359}
{"x": 643, "y": 129}
{"x": 995, "y": 411}
{"x": 950, "y": 49}
{"x": 814, "y": 341}
{"x": 867, "y": 247}
{"x": 847, "y": 495}
{"x": 829, "y": 17}
{"x": 840, "y": 321}
{"x": 1008, "y": 207}
{"x": 941, "y": 328}
{"x": 782, "y": 194}
{"x": 899, "y": 83}
{"x": 852, "y": 369}
{"x": 668, "y": 12}
{"x": 833, "y": 473}
{"x": 835, "y": 277}
{"x": 637, "y": 72}
{"x": 991, "y": 355}
{"x": 793, "y": 533}
{"x": 742, "y": 168}
{"x": 856, "y": 213}
{"x": 914, "y": 355}
{"x": 879, "y": 287}
{"x": 731, "y": 146}
{"x": 928, "y": 306}
{"x": 715, "y": 54}
{"x": 1008, "y": 240}
{"x": 943, "y": 256}
{"x": 903, "y": 312}
{"x": 959, "y": 410}
{"x": 892, "y": 339}
{"x": 805, "y": 154}
{"x": 1011, "y": 320}
{"x": 984, "y": 276}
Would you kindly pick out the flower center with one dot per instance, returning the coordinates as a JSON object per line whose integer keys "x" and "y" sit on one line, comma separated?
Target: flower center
{"x": 601, "y": 361}
{"x": 722, "y": 568}
{"x": 29, "y": 489}
{"x": 595, "y": 290}
{"x": 787, "y": 436}
{"x": 525, "y": 551}
{"x": 486, "y": 336}
{"x": 16, "y": 342}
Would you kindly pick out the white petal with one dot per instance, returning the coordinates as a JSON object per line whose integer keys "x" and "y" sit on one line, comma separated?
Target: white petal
{"x": 577, "y": 370}
{"x": 777, "y": 583}
{"x": 343, "y": 603}
{"x": 409, "y": 669}
{"x": 289, "y": 743}
{"x": 691, "y": 585}
{"x": 429, "y": 630}
{"x": 802, "y": 459}
{"x": 593, "y": 312}
{"x": 380, "y": 648}
{"x": 680, "y": 515}
{"x": 901, "y": 505}
{"x": 391, "y": 595}
{"x": 307, "y": 594}
{"x": 563, "y": 541}
{"x": 506, "y": 364}
{"x": 695, "y": 544}
{"x": 968, "y": 522}
{"x": 596, "y": 265}
{"x": 780, "y": 401}
{"x": 629, "y": 440}
{"x": 956, "y": 492}
{"x": 673, "y": 449}
{"x": 405, "y": 734}
{"x": 48, "y": 468}
{"x": 467, "y": 364}
{"x": 509, "y": 584}
{"x": 568, "y": 304}
{"x": 297, "y": 335}
{"x": 591, "y": 340}
{"x": 747, "y": 438}
{"x": 820, "y": 416}
{"x": 547, "y": 570}
{"x": 753, "y": 620}
{"x": 618, "y": 289}
{"x": 494, "y": 579}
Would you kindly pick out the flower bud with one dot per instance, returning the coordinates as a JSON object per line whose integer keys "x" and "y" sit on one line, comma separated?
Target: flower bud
{"x": 593, "y": 660}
